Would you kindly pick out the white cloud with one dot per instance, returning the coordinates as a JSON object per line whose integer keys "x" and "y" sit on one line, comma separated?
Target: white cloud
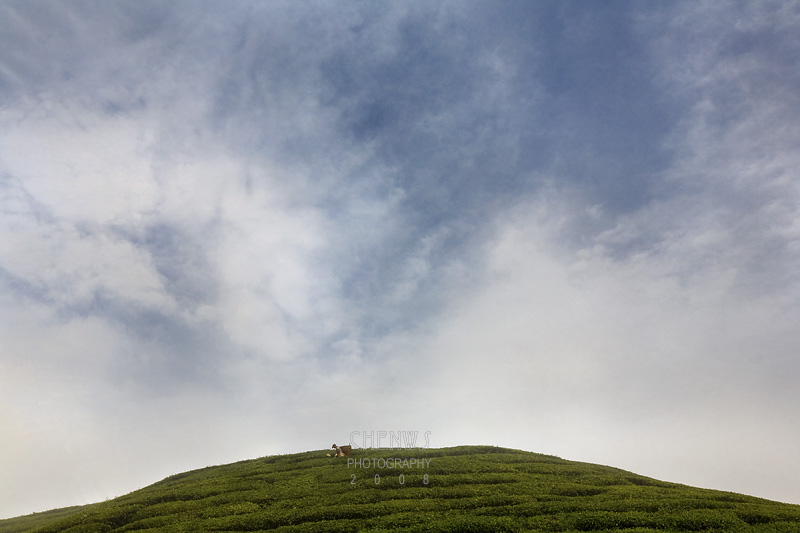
{"x": 51, "y": 380}
{"x": 70, "y": 268}
{"x": 606, "y": 360}
{"x": 79, "y": 165}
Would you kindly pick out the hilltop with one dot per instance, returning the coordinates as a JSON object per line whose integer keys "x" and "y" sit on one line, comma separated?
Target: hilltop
{"x": 466, "y": 488}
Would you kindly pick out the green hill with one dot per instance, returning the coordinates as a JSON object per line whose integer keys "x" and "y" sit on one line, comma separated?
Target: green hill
{"x": 462, "y": 489}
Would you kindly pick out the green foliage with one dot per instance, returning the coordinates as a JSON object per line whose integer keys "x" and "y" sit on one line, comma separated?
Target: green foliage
{"x": 467, "y": 488}
{"x": 32, "y": 521}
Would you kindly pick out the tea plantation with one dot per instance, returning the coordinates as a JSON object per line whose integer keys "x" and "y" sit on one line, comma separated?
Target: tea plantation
{"x": 461, "y": 489}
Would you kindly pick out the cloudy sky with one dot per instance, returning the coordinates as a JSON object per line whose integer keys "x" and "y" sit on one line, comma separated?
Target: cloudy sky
{"x": 236, "y": 229}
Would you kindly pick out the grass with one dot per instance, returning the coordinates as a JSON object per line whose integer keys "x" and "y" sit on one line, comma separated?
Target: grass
{"x": 464, "y": 489}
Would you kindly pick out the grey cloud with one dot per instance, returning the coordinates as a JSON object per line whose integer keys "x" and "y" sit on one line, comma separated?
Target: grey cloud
{"x": 168, "y": 353}
{"x": 181, "y": 261}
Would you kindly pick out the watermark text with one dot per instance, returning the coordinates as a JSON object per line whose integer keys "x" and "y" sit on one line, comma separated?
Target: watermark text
{"x": 387, "y": 463}
{"x": 389, "y": 439}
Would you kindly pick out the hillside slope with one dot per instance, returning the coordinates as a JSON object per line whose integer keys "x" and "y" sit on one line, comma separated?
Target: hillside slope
{"x": 466, "y": 488}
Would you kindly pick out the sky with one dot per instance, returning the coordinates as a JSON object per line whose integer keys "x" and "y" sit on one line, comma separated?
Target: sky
{"x": 238, "y": 229}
